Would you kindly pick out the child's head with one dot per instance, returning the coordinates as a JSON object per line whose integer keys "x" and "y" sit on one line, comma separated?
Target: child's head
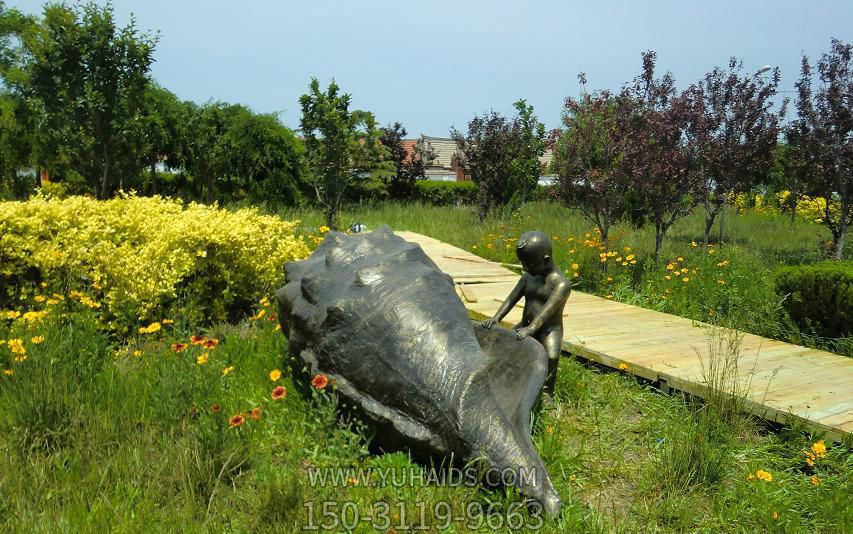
{"x": 534, "y": 252}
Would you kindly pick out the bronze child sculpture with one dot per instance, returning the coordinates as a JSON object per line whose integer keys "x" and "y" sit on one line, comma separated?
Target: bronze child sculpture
{"x": 545, "y": 291}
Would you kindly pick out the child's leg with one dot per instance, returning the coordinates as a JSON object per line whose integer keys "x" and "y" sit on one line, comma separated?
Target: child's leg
{"x": 551, "y": 342}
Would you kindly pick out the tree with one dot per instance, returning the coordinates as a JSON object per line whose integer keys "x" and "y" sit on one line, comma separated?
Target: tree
{"x": 502, "y": 156}
{"x": 733, "y": 131}
{"x": 587, "y": 161}
{"x": 823, "y": 137}
{"x": 486, "y": 152}
{"x": 87, "y": 79}
{"x": 525, "y": 167}
{"x": 267, "y": 157}
{"x": 656, "y": 157}
{"x": 161, "y": 131}
{"x": 342, "y": 146}
{"x": 409, "y": 168}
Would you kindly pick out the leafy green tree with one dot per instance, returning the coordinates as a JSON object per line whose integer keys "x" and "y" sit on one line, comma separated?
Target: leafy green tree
{"x": 343, "y": 147}
{"x": 161, "y": 132}
{"x": 525, "y": 168}
{"x": 86, "y": 78}
{"x": 268, "y": 158}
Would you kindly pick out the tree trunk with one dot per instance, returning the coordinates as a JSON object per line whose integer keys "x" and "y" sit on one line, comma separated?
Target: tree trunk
{"x": 842, "y": 229}
{"x": 105, "y": 178}
{"x": 154, "y": 175}
{"x": 710, "y": 215}
{"x": 722, "y": 221}
{"x": 659, "y": 232}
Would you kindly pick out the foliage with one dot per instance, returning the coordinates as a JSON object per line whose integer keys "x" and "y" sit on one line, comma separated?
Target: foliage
{"x": 440, "y": 193}
{"x": 86, "y": 78}
{"x": 162, "y": 130}
{"x": 822, "y": 137}
{"x": 502, "y": 156}
{"x": 409, "y": 167}
{"x": 655, "y": 155}
{"x": 143, "y": 256}
{"x": 587, "y": 160}
{"x": 342, "y": 146}
{"x": 819, "y": 297}
{"x": 733, "y": 131}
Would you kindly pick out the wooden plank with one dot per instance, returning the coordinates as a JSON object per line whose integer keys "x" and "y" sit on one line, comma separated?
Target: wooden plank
{"x": 468, "y": 293}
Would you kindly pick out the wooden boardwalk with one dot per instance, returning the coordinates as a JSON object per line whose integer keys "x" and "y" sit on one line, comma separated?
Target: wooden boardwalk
{"x": 783, "y": 381}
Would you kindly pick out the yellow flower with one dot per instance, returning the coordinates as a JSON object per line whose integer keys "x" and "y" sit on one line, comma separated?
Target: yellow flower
{"x": 39, "y": 298}
{"x": 609, "y": 296}
{"x": 275, "y": 374}
{"x": 575, "y": 274}
{"x": 549, "y": 429}
{"x": 43, "y": 285}
{"x": 775, "y": 514}
{"x": 815, "y": 480}
{"x": 323, "y": 229}
{"x": 624, "y": 263}
{"x": 150, "y": 329}
{"x": 668, "y": 277}
{"x": 201, "y": 253}
{"x": 629, "y": 257}
{"x": 680, "y": 258}
{"x": 694, "y": 244}
{"x": 571, "y": 251}
{"x": 819, "y": 448}
{"x": 13, "y": 314}
{"x": 37, "y": 339}
{"x": 670, "y": 266}
{"x": 721, "y": 282}
{"x": 52, "y": 302}
{"x": 575, "y": 266}
{"x": 685, "y": 279}
{"x": 623, "y": 366}
{"x": 609, "y": 278}
{"x": 8, "y": 372}
{"x": 166, "y": 321}
{"x": 489, "y": 246}
{"x": 712, "y": 251}
{"x": 264, "y": 301}
{"x": 277, "y": 327}
{"x": 16, "y": 346}
{"x": 137, "y": 353}
{"x": 763, "y": 475}
{"x": 474, "y": 247}
{"x": 202, "y": 359}
{"x": 227, "y": 370}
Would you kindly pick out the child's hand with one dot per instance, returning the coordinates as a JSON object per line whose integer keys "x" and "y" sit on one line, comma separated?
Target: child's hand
{"x": 522, "y": 333}
{"x": 488, "y": 323}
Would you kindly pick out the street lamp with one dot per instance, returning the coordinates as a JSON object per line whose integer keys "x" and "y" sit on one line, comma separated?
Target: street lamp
{"x": 762, "y": 70}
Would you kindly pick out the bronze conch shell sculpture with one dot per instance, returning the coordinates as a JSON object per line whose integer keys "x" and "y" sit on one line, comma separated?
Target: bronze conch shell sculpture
{"x": 375, "y": 314}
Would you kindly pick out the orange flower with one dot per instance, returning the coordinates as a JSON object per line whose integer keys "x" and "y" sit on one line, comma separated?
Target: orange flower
{"x": 197, "y": 340}
{"x": 279, "y": 392}
{"x": 320, "y": 381}
{"x": 179, "y": 347}
{"x": 255, "y": 413}
{"x": 210, "y": 343}
{"x": 236, "y": 420}
{"x": 216, "y": 408}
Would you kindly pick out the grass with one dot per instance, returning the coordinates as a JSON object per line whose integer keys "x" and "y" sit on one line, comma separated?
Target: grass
{"x": 731, "y": 283}
{"x": 124, "y": 434}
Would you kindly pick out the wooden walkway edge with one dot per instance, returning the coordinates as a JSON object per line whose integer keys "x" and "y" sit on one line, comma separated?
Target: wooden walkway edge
{"x": 782, "y": 381}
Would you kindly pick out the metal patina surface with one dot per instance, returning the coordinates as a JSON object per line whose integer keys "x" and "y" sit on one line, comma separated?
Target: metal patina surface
{"x": 377, "y": 316}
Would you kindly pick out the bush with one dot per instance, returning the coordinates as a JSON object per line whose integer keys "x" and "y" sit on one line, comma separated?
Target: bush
{"x": 144, "y": 256}
{"x": 819, "y": 297}
{"x": 439, "y": 193}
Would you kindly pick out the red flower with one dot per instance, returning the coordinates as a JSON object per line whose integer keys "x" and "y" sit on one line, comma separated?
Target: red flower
{"x": 216, "y": 408}
{"x": 255, "y": 413}
{"x": 179, "y": 347}
{"x": 197, "y": 340}
{"x": 320, "y": 381}
{"x": 236, "y": 420}
{"x": 278, "y": 392}
{"x": 210, "y": 343}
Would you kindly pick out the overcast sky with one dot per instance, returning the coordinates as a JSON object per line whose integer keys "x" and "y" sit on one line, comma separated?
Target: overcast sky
{"x": 432, "y": 65}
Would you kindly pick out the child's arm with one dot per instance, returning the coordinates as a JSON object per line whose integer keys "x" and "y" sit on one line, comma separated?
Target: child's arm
{"x": 555, "y": 301}
{"x": 507, "y": 305}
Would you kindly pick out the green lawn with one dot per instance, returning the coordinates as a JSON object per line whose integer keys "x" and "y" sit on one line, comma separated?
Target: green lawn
{"x": 126, "y": 434}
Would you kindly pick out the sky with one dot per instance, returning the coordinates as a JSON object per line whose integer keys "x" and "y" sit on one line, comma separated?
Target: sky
{"x": 433, "y": 65}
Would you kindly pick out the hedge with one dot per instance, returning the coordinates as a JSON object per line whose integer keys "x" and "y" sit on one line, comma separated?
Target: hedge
{"x": 819, "y": 297}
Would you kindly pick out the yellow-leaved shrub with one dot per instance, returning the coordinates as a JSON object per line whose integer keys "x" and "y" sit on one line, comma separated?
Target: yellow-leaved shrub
{"x": 145, "y": 256}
